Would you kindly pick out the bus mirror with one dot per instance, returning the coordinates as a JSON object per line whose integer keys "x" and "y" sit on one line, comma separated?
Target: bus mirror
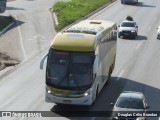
{"x": 95, "y": 65}
{"x": 42, "y": 61}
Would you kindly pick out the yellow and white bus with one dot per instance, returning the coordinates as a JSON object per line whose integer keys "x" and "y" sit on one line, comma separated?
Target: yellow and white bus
{"x": 80, "y": 62}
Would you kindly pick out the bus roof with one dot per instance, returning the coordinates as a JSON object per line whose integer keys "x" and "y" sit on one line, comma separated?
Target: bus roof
{"x": 81, "y": 36}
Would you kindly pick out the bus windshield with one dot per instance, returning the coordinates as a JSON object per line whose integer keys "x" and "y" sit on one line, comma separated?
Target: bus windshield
{"x": 69, "y": 70}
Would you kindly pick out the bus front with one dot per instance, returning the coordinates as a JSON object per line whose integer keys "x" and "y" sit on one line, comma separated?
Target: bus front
{"x": 69, "y": 71}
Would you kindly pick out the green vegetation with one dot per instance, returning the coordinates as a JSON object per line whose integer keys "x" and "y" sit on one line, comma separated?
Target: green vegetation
{"x": 71, "y": 10}
{"x": 129, "y": 18}
{"x": 4, "y": 21}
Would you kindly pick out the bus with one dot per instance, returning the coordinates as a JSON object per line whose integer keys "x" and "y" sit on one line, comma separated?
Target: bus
{"x": 80, "y": 61}
{"x": 3, "y": 6}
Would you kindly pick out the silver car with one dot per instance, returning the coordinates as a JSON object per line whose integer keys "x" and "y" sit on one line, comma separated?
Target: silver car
{"x": 130, "y": 102}
{"x": 129, "y": 1}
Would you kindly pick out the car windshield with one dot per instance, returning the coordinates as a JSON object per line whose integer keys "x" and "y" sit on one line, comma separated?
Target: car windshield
{"x": 69, "y": 69}
{"x": 127, "y": 24}
{"x": 133, "y": 103}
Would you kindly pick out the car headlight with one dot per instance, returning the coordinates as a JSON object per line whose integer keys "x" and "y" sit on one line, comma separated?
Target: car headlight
{"x": 114, "y": 115}
{"x": 115, "y": 118}
{"x": 140, "y": 118}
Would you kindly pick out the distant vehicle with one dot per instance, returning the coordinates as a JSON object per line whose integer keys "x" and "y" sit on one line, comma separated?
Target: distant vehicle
{"x": 3, "y": 6}
{"x": 130, "y": 101}
{"x": 129, "y": 1}
{"x": 158, "y": 32}
{"x": 128, "y": 29}
{"x": 80, "y": 62}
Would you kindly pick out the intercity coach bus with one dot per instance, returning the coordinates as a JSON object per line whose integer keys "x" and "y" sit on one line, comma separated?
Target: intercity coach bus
{"x": 80, "y": 62}
{"x": 3, "y": 6}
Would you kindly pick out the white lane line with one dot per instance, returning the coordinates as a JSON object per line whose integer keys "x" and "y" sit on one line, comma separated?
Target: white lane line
{"x": 139, "y": 44}
{"x": 93, "y": 118}
{"x": 120, "y": 75}
{"x": 38, "y": 37}
{"x": 21, "y": 39}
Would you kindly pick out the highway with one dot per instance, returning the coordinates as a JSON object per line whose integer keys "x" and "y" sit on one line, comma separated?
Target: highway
{"x": 33, "y": 30}
{"x": 137, "y": 68}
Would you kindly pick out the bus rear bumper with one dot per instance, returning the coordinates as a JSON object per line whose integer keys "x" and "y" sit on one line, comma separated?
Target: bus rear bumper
{"x": 86, "y": 100}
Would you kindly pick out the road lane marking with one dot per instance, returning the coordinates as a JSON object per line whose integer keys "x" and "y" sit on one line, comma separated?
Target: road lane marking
{"x": 21, "y": 39}
{"x": 38, "y": 37}
{"x": 139, "y": 44}
{"x": 120, "y": 75}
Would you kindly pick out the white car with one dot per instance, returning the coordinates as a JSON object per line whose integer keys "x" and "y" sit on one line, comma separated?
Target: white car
{"x": 128, "y": 29}
{"x": 130, "y": 102}
{"x": 158, "y": 33}
{"x": 129, "y": 1}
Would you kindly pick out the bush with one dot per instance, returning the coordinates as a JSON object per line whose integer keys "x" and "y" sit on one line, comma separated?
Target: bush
{"x": 5, "y": 21}
{"x": 72, "y": 10}
{"x": 129, "y": 18}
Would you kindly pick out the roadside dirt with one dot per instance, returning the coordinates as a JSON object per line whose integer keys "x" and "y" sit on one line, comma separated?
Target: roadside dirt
{"x": 6, "y": 61}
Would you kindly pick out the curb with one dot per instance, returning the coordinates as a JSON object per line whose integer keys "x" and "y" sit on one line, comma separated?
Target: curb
{"x": 7, "y": 27}
{"x": 55, "y": 21}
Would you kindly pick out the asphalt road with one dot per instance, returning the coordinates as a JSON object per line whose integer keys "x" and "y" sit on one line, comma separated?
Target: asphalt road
{"x": 137, "y": 68}
{"x": 33, "y": 30}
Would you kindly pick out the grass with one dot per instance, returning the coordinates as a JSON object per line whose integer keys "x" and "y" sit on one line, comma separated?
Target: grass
{"x": 4, "y": 21}
{"x": 72, "y": 10}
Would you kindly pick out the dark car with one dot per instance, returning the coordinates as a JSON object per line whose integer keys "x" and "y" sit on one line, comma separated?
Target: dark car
{"x": 129, "y": 1}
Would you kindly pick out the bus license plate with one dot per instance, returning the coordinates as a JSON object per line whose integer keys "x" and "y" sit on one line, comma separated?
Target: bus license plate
{"x": 67, "y": 101}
